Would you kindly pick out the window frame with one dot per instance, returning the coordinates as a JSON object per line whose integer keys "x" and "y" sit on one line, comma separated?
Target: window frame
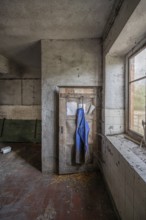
{"x": 133, "y": 134}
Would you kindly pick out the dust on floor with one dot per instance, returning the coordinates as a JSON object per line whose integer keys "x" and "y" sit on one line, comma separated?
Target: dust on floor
{"x": 27, "y": 194}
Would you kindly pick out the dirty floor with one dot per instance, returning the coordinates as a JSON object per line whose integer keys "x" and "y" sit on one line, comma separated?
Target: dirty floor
{"x": 27, "y": 194}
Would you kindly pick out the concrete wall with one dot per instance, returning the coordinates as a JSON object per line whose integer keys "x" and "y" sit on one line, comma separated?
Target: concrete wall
{"x": 126, "y": 10}
{"x": 131, "y": 36}
{"x": 113, "y": 95}
{"x": 64, "y": 63}
{"x": 20, "y": 94}
{"x": 126, "y": 184}
{"x": 119, "y": 164}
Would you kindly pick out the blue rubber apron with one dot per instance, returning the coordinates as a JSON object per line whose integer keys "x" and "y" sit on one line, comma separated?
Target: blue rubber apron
{"x": 82, "y": 132}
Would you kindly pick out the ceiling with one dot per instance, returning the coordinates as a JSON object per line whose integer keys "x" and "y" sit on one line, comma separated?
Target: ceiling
{"x": 23, "y": 23}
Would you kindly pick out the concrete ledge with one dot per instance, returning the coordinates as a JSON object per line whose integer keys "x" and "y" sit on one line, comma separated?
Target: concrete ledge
{"x": 132, "y": 153}
{"x": 124, "y": 168}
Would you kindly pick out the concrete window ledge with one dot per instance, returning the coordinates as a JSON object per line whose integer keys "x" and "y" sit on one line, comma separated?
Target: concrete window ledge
{"x": 132, "y": 153}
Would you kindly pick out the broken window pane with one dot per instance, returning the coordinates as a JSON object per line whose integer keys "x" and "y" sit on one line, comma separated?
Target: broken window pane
{"x": 137, "y": 65}
{"x": 137, "y": 92}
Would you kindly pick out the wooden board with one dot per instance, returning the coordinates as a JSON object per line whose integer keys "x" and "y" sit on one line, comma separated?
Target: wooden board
{"x": 67, "y": 128}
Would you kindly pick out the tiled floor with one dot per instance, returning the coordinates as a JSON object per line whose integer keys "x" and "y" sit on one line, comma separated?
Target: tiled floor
{"x": 26, "y": 194}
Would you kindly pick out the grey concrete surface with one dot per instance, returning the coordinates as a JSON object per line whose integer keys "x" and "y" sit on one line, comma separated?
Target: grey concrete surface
{"x": 21, "y": 112}
{"x": 113, "y": 95}
{"x": 64, "y": 63}
{"x": 114, "y": 82}
{"x": 20, "y": 92}
{"x": 20, "y": 98}
{"x": 125, "y": 175}
{"x": 8, "y": 67}
{"x": 73, "y": 63}
{"x": 133, "y": 32}
{"x": 120, "y": 165}
{"x": 4, "y": 64}
{"x": 10, "y": 92}
{"x": 31, "y": 92}
{"x": 51, "y": 197}
{"x": 24, "y": 23}
{"x": 122, "y": 18}
{"x": 19, "y": 72}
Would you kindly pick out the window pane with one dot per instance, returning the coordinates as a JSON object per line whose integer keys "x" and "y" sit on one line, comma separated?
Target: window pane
{"x": 137, "y": 105}
{"x": 137, "y": 65}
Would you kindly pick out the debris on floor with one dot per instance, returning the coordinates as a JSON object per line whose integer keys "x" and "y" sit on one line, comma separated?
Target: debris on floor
{"x": 49, "y": 214}
{"x": 27, "y": 194}
{"x": 6, "y": 150}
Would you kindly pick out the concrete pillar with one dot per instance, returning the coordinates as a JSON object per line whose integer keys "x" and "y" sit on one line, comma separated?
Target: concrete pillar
{"x": 64, "y": 63}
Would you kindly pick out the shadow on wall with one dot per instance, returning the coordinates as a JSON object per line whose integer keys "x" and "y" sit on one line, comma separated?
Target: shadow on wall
{"x": 56, "y": 125}
{"x": 29, "y": 56}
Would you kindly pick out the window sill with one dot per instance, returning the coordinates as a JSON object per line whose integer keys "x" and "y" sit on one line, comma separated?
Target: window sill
{"x": 132, "y": 153}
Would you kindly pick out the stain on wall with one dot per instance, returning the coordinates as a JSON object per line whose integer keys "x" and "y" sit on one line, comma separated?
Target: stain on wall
{"x": 64, "y": 63}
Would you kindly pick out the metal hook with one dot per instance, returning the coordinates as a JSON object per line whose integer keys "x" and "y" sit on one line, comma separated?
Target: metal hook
{"x": 67, "y": 97}
{"x": 81, "y": 100}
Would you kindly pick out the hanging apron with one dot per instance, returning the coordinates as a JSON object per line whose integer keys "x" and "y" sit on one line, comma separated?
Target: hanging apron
{"x": 82, "y": 132}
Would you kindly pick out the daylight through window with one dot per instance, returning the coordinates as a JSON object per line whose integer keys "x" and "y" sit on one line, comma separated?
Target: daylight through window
{"x": 137, "y": 91}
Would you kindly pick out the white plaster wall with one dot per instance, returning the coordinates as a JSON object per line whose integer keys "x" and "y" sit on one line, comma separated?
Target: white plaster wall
{"x": 64, "y": 63}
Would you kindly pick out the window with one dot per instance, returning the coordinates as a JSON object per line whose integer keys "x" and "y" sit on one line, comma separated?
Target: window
{"x": 137, "y": 92}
